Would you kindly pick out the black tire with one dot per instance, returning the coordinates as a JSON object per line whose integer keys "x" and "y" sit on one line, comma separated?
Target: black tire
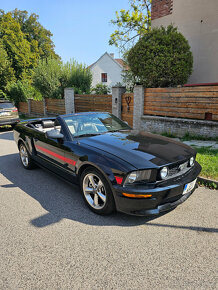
{"x": 25, "y": 157}
{"x": 102, "y": 190}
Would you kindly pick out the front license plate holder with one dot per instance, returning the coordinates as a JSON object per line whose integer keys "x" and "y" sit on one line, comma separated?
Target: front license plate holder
{"x": 189, "y": 186}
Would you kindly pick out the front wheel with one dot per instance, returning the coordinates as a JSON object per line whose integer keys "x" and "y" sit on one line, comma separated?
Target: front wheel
{"x": 97, "y": 192}
{"x": 25, "y": 158}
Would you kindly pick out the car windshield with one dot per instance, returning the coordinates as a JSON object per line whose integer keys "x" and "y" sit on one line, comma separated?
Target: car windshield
{"x": 6, "y": 105}
{"x": 94, "y": 124}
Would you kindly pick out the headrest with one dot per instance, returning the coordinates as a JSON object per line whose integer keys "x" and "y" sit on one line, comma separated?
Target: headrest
{"x": 47, "y": 124}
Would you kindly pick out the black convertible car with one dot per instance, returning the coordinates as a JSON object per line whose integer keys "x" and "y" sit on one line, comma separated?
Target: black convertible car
{"x": 117, "y": 168}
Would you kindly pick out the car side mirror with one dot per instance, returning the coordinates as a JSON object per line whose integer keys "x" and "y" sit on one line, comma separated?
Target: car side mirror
{"x": 126, "y": 123}
{"x": 54, "y": 134}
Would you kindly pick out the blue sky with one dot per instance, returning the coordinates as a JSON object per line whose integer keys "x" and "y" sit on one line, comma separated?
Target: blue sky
{"x": 81, "y": 28}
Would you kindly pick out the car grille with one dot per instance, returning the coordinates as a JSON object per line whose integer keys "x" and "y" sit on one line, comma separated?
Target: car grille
{"x": 178, "y": 169}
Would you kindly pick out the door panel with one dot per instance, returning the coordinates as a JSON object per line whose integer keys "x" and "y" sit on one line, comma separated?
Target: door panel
{"x": 51, "y": 151}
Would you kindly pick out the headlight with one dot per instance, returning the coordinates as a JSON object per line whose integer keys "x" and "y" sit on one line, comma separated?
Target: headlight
{"x": 138, "y": 176}
{"x": 164, "y": 172}
{"x": 191, "y": 161}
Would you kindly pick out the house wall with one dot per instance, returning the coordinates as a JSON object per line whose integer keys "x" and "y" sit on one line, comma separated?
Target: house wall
{"x": 197, "y": 20}
{"x": 106, "y": 65}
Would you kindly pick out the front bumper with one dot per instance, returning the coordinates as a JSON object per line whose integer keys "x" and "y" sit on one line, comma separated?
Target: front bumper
{"x": 166, "y": 195}
{"x": 9, "y": 121}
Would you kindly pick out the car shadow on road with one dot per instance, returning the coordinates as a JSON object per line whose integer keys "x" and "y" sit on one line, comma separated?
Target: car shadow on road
{"x": 64, "y": 201}
{"x": 6, "y": 134}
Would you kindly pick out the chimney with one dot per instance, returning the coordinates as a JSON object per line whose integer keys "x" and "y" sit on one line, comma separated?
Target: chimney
{"x": 112, "y": 55}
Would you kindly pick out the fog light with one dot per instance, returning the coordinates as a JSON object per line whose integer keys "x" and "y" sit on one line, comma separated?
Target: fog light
{"x": 191, "y": 161}
{"x": 164, "y": 172}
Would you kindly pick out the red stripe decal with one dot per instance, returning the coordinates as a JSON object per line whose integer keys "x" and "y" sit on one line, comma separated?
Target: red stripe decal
{"x": 67, "y": 160}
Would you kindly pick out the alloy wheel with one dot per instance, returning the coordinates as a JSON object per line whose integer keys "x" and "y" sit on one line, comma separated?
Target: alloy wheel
{"x": 24, "y": 155}
{"x": 94, "y": 191}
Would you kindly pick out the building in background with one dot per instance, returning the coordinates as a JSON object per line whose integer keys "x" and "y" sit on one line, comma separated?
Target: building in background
{"x": 107, "y": 70}
{"x": 197, "y": 20}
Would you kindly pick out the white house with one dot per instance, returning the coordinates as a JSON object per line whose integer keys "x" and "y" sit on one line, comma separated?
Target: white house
{"x": 107, "y": 70}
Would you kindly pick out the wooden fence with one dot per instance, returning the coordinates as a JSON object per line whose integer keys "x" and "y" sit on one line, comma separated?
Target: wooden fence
{"x": 23, "y": 107}
{"x": 90, "y": 103}
{"x": 37, "y": 107}
{"x": 55, "y": 106}
{"x": 186, "y": 102}
{"x": 127, "y": 108}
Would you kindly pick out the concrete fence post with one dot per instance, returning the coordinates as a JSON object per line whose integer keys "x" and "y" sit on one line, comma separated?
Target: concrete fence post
{"x": 29, "y": 106}
{"x": 117, "y": 93}
{"x": 69, "y": 100}
{"x": 44, "y": 107}
{"x": 138, "y": 109}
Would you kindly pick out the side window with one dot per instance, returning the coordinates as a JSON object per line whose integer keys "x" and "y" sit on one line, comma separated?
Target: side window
{"x": 104, "y": 77}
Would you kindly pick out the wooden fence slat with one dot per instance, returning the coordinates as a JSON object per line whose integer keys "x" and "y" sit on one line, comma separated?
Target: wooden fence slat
{"x": 183, "y": 89}
{"x": 187, "y": 102}
{"x": 95, "y": 103}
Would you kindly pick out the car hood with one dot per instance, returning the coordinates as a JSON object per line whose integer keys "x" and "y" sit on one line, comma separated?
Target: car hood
{"x": 140, "y": 149}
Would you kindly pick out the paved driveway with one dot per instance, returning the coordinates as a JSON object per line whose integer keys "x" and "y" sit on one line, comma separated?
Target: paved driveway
{"x": 50, "y": 240}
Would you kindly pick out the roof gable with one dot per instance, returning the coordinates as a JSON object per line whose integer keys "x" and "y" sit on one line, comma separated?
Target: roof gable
{"x": 119, "y": 63}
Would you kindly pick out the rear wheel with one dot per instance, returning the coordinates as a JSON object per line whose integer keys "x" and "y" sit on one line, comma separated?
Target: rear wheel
{"x": 25, "y": 157}
{"x": 97, "y": 192}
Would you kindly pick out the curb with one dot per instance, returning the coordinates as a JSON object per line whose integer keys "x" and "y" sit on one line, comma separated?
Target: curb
{"x": 208, "y": 181}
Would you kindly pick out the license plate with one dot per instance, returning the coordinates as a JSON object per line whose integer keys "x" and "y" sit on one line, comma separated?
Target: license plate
{"x": 189, "y": 186}
{"x": 4, "y": 114}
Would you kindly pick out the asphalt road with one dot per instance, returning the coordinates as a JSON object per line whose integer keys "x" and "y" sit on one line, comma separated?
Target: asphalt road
{"x": 50, "y": 240}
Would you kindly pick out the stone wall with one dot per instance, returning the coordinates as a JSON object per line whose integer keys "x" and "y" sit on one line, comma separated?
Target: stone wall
{"x": 178, "y": 126}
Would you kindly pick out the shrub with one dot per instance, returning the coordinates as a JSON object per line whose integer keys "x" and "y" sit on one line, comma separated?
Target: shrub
{"x": 77, "y": 76}
{"x": 20, "y": 91}
{"x": 161, "y": 58}
{"x": 46, "y": 78}
{"x": 51, "y": 77}
{"x": 101, "y": 89}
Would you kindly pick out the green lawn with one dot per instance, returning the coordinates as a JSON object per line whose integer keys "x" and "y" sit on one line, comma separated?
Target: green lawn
{"x": 208, "y": 159}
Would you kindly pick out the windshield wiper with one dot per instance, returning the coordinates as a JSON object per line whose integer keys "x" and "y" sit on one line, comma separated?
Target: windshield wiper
{"x": 87, "y": 135}
{"x": 117, "y": 130}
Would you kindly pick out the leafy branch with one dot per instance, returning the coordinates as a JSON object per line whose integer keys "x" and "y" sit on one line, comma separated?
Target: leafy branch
{"x": 131, "y": 24}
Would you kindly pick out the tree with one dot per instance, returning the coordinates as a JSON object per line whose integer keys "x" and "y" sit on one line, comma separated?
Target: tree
{"x": 20, "y": 91}
{"x": 38, "y": 37}
{"x": 51, "y": 76}
{"x": 17, "y": 47}
{"x": 162, "y": 58}
{"x": 46, "y": 78}
{"x": 76, "y": 75}
{"x": 6, "y": 71}
{"x": 131, "y": 24}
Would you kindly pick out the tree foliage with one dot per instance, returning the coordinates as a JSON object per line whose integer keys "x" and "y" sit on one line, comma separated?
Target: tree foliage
{"x": 17, "y": 47}
{"x": 76, "y": 75}
{"x": 38, "y": 37}
{"x": 51, "y": 76}
{"x": 162, "y": 58}
{"x": 131, "y": 24}
{"x": 20, "y": 91}
{"x": 6, "y": 71}
{"x": 23, "y": 41}
{"x": 47, "y": 76}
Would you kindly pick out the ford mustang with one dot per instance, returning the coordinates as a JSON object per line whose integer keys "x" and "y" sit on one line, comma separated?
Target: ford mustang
{"x": 117, "y": 168}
